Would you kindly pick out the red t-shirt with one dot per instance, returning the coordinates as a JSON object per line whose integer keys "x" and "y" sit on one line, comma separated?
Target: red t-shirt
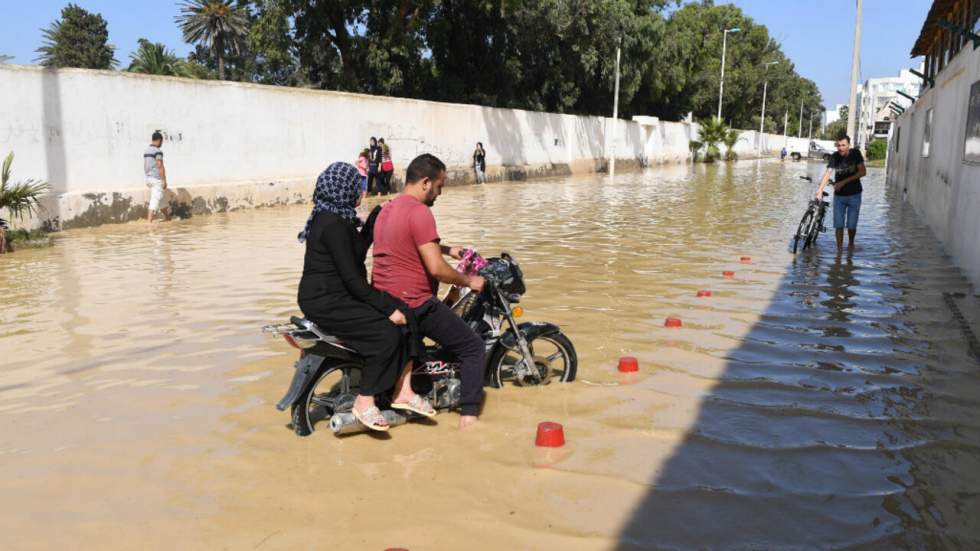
{"x": 402, "y": 226}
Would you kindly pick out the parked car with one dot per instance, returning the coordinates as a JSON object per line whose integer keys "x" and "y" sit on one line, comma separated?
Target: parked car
{"x": 821, "y": 149}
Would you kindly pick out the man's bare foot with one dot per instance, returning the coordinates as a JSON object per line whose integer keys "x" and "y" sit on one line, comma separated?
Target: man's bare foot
{"x": 466, "y": 421}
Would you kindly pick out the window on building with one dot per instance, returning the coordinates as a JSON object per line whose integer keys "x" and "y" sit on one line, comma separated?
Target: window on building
{"x": 898, "y": 137}
{"x": 927, "y": 134}
{"x": 975, "y": 16}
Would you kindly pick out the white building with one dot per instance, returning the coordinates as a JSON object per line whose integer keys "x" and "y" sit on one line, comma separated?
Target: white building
{"x": 874, "y": 115}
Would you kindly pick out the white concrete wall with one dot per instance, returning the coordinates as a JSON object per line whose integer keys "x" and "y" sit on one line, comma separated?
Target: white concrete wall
{"x": 942, "y": 187}
{"x": 226, "y": 143}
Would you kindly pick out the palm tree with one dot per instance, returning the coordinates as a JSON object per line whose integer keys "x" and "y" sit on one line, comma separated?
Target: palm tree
{"x": 695, "y": 147}
{"x": 216, "y": 24}
{"x": 6, "y": 58}
{"x": 20, "y": 199}
{"x": 730, "y": 139}
{"x": 153, "y": 58}
{"x": 713, "y": 131}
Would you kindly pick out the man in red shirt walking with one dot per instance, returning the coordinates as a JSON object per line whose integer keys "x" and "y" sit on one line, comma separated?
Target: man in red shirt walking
{"x": 409, "y": 264}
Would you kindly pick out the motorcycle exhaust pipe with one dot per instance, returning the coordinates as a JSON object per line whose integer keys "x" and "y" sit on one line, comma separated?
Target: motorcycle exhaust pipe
{"x": 346, "y": 423}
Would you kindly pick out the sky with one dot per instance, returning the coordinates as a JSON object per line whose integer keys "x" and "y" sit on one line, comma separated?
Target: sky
{"x": 816, "y": 36}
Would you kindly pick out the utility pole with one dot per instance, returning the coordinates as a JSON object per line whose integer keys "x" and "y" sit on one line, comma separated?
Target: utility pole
{"x": 799, "y": 130}
{"x": 721, "y": 85}
{"x": 762, "y": 119}
{"x": 855, "y": 74}
{"x": 810, "y": 131}
{"x": 785, "y": 122}
{"x": 615, "y": 121}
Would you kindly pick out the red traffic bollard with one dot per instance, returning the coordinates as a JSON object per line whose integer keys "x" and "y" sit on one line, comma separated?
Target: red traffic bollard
{"x": 628, "y": 364}
{"x": 704, "y": 293}
{"x": 672, "y": 322}
{"x": 746, "y": 259}
{"x": 728, "y": 275}
{"x": 550, "y": 435}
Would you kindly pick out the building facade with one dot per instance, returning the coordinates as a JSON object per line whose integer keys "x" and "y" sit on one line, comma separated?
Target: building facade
{"x": 934, "y": 146}
{"x": 875, "y": 96}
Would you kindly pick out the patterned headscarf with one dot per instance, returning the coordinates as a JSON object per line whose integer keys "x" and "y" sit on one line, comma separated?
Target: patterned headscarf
{"x": 337, "y": 190}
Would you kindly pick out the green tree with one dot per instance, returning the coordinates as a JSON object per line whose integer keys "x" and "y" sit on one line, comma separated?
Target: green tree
{"x": 154, "y": 58}
{"x": 837, "y": 128}
{"x": 713, "y": 132}
{"x": 730, "y": 139}
{"x": 877, "y": 150}
{"x": 682, "y": 74}
{"x": 78, "y": 39}
{"x": 271, "y": 46}
{"x": 6, "y": 58}
{"x": 218, "y": 25}
{"x": 19, "y": 199}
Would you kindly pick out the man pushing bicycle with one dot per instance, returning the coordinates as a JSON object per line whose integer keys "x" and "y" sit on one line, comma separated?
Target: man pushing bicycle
{"x": 848, "y": 165}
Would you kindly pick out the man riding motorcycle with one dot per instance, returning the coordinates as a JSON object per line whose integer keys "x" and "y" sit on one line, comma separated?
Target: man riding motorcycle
{"x": 409, "y": 264}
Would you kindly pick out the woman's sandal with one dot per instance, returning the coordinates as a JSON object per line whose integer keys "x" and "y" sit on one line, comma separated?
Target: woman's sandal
{"x": 371, "y": 418}
{"x": 417, "y": 405}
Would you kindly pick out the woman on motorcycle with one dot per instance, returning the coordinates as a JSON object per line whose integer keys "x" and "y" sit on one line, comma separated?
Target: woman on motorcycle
{"x": 335, "y": 295}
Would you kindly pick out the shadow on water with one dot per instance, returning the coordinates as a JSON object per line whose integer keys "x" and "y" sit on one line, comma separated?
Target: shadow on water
{"x": 54, "y": 146}
{"x": 844, "y": 418}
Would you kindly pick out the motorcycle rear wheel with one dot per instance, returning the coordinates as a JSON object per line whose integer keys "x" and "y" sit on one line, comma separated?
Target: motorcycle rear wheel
{"x": 554, "y": 356}
{"x": 324, "y": 398}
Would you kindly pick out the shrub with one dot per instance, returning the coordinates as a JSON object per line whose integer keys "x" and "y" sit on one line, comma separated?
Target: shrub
{"x": 877, "y": 150}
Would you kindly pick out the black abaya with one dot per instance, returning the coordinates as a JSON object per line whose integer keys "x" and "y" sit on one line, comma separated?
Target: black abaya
{"x": 334, "y": 294}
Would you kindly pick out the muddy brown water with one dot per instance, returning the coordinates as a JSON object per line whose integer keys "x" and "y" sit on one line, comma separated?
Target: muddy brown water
{"x": 813, "y": 401}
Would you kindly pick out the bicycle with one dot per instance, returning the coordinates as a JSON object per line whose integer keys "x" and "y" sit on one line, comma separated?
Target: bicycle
{"x": 812, "y": 222}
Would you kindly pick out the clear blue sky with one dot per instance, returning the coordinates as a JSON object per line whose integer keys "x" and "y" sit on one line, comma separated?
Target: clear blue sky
{"x": 817, "y": 36}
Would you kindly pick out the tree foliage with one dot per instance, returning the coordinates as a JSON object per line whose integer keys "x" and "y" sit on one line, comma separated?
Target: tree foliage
{"x": 218, "y": 25}
{"x": 837, "y": 128}
{"x": 78, "y": 39}
{"x": 713, "y": 132}
{"x": 550, "y": 55}
{"x": 20, "y": 199}
{"x": 553, "y": 55}
{"x": 877, "y": 150}
{"x": 154, "y": 58}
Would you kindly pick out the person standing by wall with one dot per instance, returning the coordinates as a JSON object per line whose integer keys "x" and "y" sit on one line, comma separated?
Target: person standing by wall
{"x": 156, "y": 176}
{"x": 480, "y": 163}
{"x": 374, "y": 167}
{"x": 387, "y": 166}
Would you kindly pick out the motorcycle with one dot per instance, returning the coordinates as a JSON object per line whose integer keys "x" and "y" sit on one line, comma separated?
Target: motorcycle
{"x": 327, "y": 374}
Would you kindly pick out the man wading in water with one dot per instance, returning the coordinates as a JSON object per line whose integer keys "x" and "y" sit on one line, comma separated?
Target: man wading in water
{"x": 156, "y": 176}
{"x": 409, "y": 264}
{"x": 848, "y": 165}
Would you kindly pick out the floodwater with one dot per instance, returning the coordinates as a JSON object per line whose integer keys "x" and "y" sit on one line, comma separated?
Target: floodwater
{"x": 816, "y": 401}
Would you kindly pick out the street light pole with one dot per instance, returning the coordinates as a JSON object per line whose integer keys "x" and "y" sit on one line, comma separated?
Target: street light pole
{"x": 724, "y": 46}
{"x": 762, "y": 120}
{"x": 615, "y": 121}
{"x": 785, "y": 122}
{"x": 855, "y": 75}
{"x": 799, "y": 131}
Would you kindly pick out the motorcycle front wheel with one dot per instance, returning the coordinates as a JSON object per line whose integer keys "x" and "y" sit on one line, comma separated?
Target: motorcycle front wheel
{"x": 554, "y": 356}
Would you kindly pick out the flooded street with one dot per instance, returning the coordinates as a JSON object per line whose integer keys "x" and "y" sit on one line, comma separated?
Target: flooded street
{"x": 811, "y": 402}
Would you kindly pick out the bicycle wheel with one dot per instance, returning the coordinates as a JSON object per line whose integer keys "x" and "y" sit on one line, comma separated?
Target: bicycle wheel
{"x": 816, "y": 229}
{"x": 802, "y": 230}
